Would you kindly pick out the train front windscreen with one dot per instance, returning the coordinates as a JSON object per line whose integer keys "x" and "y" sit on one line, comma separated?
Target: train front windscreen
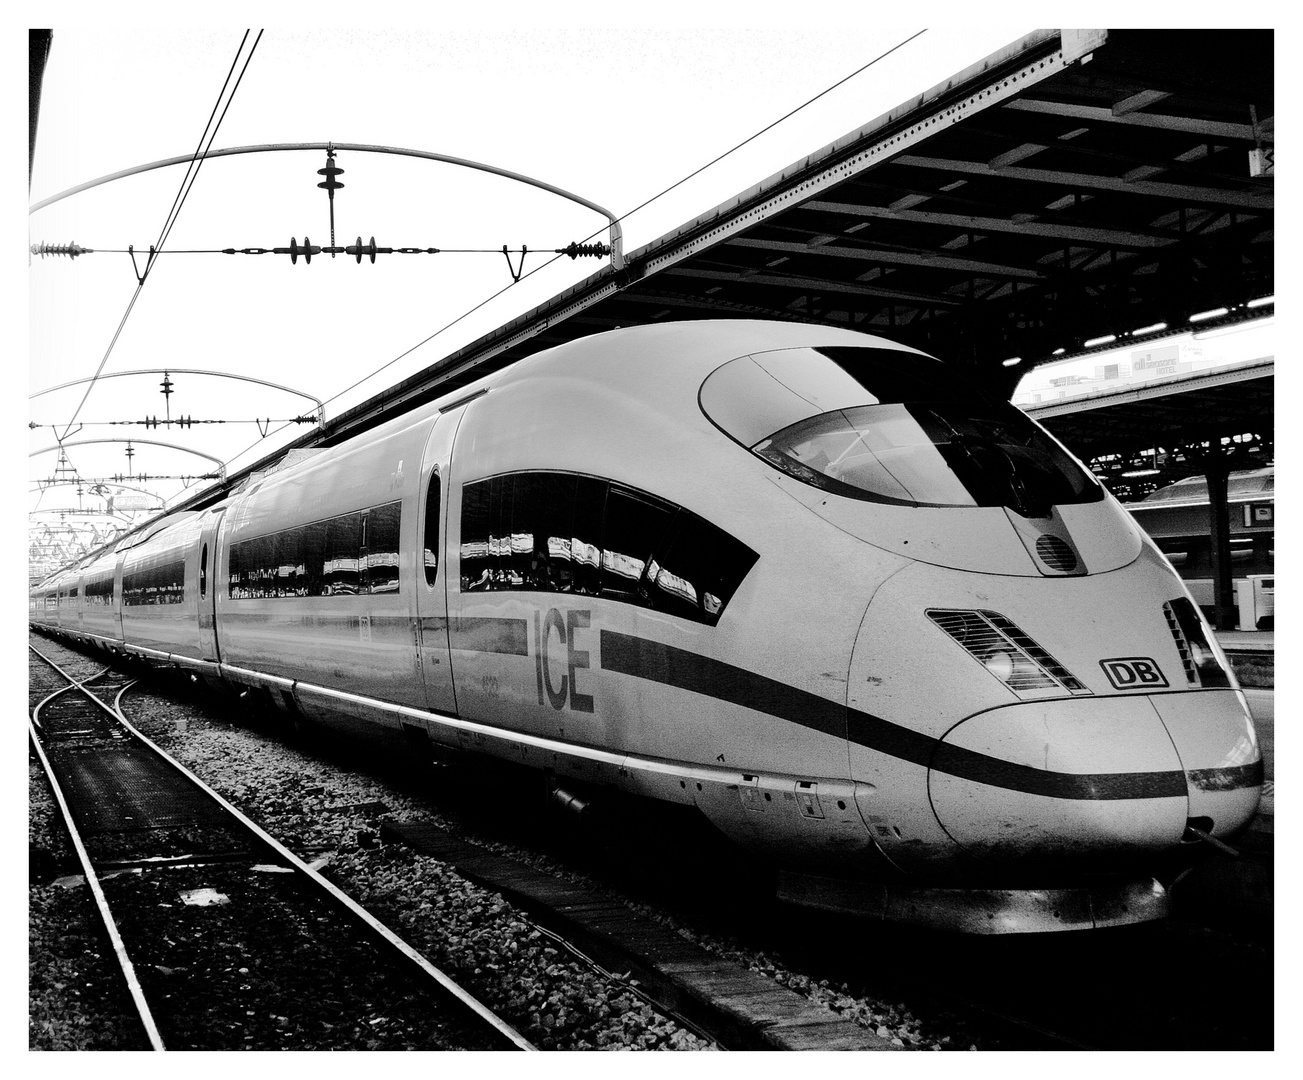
{"x": 902, "y": 429}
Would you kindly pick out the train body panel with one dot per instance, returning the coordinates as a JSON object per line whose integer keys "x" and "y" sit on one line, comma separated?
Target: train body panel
{"x": 874, "y": 626}
{"x": 1219, "y": 755}
{"x": 100, "y": 586}
{"x": 318, "y": 571}
{"x": 1058, "y": 782}
{"x": 158, "y": 586}
{"x": 634, "y": 436}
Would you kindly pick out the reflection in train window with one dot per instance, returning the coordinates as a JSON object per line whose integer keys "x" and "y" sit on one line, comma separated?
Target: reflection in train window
{"x": 586, "y": 538}
{"x": 323, "y": 558}
{"x": 634, "y": 527}
{"x": 341, "y": 572}
{"x": 154, "y": 585}
{"x": 561, "y": 532}
{"x": 702, "y": 567}
{"x": 99, "y": 590}
{"x": 382, "y": 548}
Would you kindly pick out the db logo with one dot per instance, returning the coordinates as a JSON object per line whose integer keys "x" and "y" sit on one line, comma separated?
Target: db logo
{"x": 1133, "y": 673}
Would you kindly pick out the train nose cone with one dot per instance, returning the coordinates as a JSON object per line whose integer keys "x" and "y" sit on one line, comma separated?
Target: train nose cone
{"x": 1218, "y": 747}
{"x": 1060, "y": 778}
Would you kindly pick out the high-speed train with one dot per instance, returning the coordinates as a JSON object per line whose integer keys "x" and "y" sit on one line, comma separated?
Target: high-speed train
{"x": 876, "y": 626}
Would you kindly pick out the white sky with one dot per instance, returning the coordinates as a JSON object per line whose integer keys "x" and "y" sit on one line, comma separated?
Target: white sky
{"x": 615, "y": 114}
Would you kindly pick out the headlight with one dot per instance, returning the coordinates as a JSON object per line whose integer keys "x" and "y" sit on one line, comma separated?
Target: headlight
{"x": 1205, "y": 664}
{"x": 1006, "y": 651}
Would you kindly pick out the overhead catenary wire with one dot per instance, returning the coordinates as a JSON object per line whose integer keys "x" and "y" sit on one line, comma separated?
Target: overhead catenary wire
{"x": 186, "y": 185}
{"x": 641, "y": 206}
{"x": 178, "y": 202}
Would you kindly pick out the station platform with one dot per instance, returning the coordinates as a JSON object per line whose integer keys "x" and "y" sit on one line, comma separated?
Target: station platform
{"x": 1246, "y": 640}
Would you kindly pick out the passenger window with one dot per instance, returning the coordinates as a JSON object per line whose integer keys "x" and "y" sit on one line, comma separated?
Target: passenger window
{"x": 382, "y": 531}
{"x": 430, "y": 549}
{"x": 542, "y": 513}
{"x": 476, "y": 566}
{"x": 634, "y": 527}
{"x": 586, "y": 534}
{"x": 312, "y": 551}
{"x": 341, "y": 569}
{"x": 291, "y": 573}
{"x": 561, "y": 532}
{"x": 700, "y": 569}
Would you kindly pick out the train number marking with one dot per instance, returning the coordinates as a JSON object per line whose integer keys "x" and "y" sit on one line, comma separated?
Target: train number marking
{"x": 1133, "y": 673}
{"x": 565, "y": 630}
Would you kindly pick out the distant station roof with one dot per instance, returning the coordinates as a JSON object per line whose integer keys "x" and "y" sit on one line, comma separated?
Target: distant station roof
{"x": 1205, "y": 405}
{"x": 1077, "y": 183}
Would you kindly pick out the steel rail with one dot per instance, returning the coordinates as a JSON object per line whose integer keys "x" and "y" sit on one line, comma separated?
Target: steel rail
{"x": 72, "y": 685}
{"x": 101, "y": 901}
{"x": 443, "y": 981}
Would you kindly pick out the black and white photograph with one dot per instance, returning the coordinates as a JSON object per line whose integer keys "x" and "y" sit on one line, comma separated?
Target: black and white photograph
{"x": 719, "y": 529}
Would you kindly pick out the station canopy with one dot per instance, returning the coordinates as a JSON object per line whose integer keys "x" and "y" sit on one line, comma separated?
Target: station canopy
{"x": 1077, "y": 183}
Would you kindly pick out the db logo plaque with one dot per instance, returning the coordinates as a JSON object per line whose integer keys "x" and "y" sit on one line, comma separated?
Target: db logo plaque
{"x": 1133, "y": 673}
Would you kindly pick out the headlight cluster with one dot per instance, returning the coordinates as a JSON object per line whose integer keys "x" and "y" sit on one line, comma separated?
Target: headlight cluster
{"x": 1005, "y": 651}
{"x": 1205, "y": 664}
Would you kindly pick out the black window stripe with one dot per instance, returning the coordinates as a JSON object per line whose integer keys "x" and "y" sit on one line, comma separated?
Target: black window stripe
{"x": 686, "y": 670}
{"x": 670, "y": 666}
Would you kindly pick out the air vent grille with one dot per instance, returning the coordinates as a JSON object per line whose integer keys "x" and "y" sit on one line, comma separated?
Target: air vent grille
{"x": 1057, "y": 554}
{"x": 1182, "y": 645}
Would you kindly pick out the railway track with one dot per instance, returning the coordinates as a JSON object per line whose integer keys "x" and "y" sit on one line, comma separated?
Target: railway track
{"x": 222, "y": 933}
{"x": 1141, "y": 987}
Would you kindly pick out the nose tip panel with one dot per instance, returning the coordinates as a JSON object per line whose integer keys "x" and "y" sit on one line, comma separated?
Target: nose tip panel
{"x": 1219, "y": 750}
{"x": 1059, "y": 778}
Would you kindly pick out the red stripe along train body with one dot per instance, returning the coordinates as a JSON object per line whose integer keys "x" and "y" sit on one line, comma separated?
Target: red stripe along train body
{"x": 876, "y": 626}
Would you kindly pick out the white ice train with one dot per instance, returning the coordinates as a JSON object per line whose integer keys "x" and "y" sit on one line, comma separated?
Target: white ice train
{"x": 877, "y": 626}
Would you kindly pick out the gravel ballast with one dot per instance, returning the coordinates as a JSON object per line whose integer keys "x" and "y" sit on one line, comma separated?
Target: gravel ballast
{"x": 331, "y": 815}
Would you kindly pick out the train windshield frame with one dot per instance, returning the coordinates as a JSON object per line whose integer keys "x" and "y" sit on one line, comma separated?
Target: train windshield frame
{"x": 892, "y": 426}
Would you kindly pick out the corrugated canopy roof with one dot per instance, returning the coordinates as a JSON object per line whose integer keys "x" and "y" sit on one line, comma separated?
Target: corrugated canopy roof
{"x": 1074, "y": 184}
{"x": 1077, "y": 183}
{"x": 1207, "y": 405}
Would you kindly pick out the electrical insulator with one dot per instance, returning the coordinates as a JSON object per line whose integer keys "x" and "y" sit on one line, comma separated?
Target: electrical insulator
{"x": 330, "y": 172}
{"x": 359, "y": 251}
{"x": 370, "y": 250}
{"x": 72, "y": 250}
{"x": 307, "y": 250}
{"x": 576, "y": 250}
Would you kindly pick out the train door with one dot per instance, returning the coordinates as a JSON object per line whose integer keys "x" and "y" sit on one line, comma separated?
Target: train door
{"x": 206, "y": 593}
{"x": 431, "y": 630}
